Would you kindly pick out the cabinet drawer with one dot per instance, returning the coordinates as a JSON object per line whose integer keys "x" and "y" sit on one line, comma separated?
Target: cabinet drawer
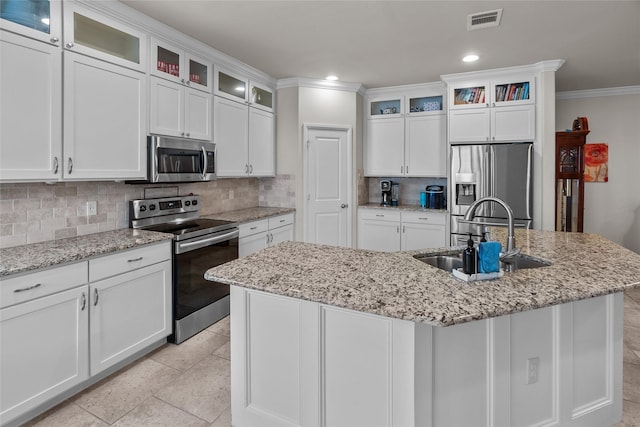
{"x": 379, "y": 214}
{"x": 280, "y": 221}
{"x": 46, "y": 282}
{"x": 124, "y": 261}
{"x": 425, "y": 217}
{"x": 254, "y": 227}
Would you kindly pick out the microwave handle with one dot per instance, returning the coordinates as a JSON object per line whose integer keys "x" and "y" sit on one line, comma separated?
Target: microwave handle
{"x": 204, "y": 168}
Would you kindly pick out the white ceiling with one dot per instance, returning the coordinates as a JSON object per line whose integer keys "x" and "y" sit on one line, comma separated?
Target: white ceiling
{"x": 388, "y": 43}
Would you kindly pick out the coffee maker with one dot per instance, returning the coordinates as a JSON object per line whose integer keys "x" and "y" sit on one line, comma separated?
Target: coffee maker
{"x": 385, "y": 188}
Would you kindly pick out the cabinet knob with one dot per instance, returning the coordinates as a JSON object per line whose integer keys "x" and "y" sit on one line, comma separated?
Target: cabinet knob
{"x": 182, "y": 80}
{"x": 69, "y": 45}
{"x": 54, "y": 39}
{"x": 187, "y": 134}
{"x": 181, "y": 133}
{"x": 344, "y": 205}
{"x": 188, "y": 82}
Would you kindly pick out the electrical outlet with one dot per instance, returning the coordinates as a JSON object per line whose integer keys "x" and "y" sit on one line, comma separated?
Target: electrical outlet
{"x": 533, "y": 364}
{"x": 92, "y": 208}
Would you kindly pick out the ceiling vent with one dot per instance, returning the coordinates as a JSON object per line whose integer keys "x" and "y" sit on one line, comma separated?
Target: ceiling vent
{"x": 481, "y": 20}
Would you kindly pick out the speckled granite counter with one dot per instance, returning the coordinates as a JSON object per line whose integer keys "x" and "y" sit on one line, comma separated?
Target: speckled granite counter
{"x": 34, "y": 256}
{"x": 415, "y": 208}
{"x": 249, "y": 214}
{"x": 397, "y": 285}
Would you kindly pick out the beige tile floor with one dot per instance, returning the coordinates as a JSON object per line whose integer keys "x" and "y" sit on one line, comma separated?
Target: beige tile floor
{"x": 189, "y": 385}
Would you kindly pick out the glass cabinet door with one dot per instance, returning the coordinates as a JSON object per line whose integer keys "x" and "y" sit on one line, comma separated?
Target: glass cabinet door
{"x": 231, "y": 87}
{"x": 198, "y": 77}
{"x": 168, "y": 61}
{"x": 102, "y": 37}
{"x": 425, "y": 104}
{"x": 39, "y": 19}
{"x": 385, "y": 108}
{"x": 261, "y": 97}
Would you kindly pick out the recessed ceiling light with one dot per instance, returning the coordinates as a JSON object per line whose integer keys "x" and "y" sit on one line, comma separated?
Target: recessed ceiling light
{"x": 331, "y": 77}
{"x": 470, "y": 58}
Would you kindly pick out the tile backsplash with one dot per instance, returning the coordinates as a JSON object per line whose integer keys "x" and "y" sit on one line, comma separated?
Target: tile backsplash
{"x": 35, "y": 212}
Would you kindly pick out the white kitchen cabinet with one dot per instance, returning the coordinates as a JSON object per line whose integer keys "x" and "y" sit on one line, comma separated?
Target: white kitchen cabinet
{"x": 391, "y": 231}
{"x": 177, "y": 110}
{"x": 501, "y": 109}
{"x": 245, "y": 140}
{"x": 105, "y": 110}
{"x": 406, "y": 133}
{"x": 93, "y": 34}
{"x": 41, "y": 20}
{"x": 177, "y": 65}
{"x": 230, "y": 86}
{"x": 422, "y": 230}
{"x": 379, "y": 230}
{"x": 44, "y": 336}
{"x": 129, "y": 312}
{"x": 258, "y": 235}
{"x": 31, "y": 105}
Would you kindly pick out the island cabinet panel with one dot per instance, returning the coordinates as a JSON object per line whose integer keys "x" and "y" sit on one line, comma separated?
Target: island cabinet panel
{"x": 297, "y": 362}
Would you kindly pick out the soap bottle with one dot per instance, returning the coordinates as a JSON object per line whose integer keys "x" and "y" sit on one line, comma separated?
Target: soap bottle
{"x": 469, "y": 258}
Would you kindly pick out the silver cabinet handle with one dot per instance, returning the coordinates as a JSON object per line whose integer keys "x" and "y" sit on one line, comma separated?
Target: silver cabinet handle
{"x": 55, "y": 165}
{"x": 187, "y": 134}
{"x": 344, "y": 205}
{"x": 423, "y": 217}
{"x": 37, "y": 285}
{"x": 135, "y": 259}
{"x": 246, "y": 169}
{"x": 70, "y": 165}
{"x": 69, "y": 45}
{"x": 267, "y": 239}
{"x": 404, "y": 231}
{"x": 406, "y": 169}
{"x": 54, "y": 39}
{"x": 181, "y": 133}
{"x": 271, "y": 238}
{"x": 250, "y": 169}
{"x": 84, "y": 302}
{"x": 282, "y": 220}
{"x": 398, "y": 229}
{"x": 401, "y": 169}
{"x": 380, "y": 215}
{"x": 95, "y": 297}
{"x": 253, "y": 228}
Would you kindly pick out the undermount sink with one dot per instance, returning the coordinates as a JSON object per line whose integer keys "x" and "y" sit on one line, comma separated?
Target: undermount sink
{"x": 450, "y": 262}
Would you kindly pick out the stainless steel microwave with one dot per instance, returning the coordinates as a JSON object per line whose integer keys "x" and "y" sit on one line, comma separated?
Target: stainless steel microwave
{"x": 180, "y": 160}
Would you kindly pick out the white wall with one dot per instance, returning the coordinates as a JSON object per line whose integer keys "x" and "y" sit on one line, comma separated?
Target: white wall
{"x": 612, "y": 209}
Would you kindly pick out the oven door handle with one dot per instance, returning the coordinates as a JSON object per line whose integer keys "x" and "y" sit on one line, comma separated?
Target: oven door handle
{"x": 190, "y": 246}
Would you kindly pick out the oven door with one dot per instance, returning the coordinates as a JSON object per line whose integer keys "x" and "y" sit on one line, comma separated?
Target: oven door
{"x": 181, "y": 160}
{"x": 193, "y": 257}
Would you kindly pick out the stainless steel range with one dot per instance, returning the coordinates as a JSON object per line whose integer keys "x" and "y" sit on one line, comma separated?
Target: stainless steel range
{"x": 199, "y": 244}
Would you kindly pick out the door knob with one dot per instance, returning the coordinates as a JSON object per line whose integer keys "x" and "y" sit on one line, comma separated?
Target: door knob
{"x": 344, "y": 205}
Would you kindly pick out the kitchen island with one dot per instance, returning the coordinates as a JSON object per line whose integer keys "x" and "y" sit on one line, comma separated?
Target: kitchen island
{"x": 342, "y": 337}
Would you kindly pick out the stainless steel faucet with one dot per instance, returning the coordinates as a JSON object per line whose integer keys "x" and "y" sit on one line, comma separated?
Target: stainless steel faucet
{"x": 511, "y": 251}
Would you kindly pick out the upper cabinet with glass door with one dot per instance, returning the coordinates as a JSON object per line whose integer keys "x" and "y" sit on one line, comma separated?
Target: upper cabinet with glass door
{"x": 261, "y": 97}
{"x": 502, "y": 92}
{"x": 231, "y": 87}
{"x": 102, "y": 37}
{"x": 172, "y": 63}
{"x": 37, "y": 19}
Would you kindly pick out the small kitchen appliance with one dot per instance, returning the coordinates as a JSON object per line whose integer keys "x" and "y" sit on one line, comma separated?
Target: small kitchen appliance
{"x": 395, "y": 193}
{"x": 435, "y": 197}
{"x": 385, "y": 189}
{"x": 198, "y": 244}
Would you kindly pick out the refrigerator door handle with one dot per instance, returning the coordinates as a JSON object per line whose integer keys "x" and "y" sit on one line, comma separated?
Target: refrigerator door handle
{"x": 528, "y": 187}
{"x": 492, "y": 178}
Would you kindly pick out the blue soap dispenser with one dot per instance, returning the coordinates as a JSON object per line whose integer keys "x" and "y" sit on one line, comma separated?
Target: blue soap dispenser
{"x": 469, "y": 258}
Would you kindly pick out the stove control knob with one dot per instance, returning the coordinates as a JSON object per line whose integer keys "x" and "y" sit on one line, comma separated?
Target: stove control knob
{"x": 143, "y": 208}
{"x": 152, "y": 207}
{"x": 194, "y": 202}
{"x": 187, "y": 203}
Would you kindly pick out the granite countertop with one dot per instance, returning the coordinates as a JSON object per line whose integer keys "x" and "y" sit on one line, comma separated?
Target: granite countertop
{"x": 416, "y": 208}
{"x": 249, "y": 214}
{"x": 397, "y": 285}
{"x": 35, "y": 256}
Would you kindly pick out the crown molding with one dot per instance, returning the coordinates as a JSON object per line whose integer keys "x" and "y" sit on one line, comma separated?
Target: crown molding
{"x": 321, "y": 84}
{"x": 595, "y": 93}
{"x": 538, "y": 67}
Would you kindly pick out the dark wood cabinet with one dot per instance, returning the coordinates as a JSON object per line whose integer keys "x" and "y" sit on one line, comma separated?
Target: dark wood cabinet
{"x": 570, "y": 180}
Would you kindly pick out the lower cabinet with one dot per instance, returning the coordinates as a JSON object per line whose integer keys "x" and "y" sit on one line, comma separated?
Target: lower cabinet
{"x": 45, "y": 345}
{"x": 129, "y": 312}
{"x": 261, "y": 234}
{"x": 60, "y": 327}
{"x": 392, "y": 231}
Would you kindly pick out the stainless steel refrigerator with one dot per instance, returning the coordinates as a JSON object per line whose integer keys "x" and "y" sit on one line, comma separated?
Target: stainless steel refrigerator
{"x": 481, "y": 170}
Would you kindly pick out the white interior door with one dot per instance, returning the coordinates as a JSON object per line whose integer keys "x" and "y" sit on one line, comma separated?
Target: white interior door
{"x": 327, "y": 219}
